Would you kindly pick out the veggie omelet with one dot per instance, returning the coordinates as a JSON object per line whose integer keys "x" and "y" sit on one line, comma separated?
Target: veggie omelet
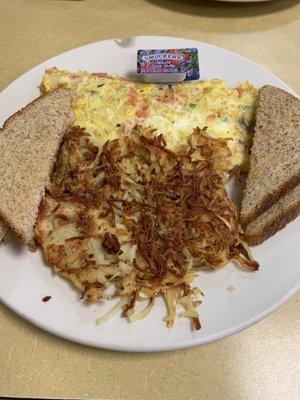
{"x": 110, "y": 106}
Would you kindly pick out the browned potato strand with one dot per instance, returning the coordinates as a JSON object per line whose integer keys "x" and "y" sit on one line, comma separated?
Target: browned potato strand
{"x": 139, "y": 217}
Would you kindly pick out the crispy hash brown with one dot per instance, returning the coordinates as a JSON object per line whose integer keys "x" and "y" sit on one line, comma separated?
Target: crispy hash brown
{"x": 139, "y": 218}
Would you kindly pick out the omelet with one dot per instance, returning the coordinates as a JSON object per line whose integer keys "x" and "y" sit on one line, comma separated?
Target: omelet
{"x": 111, "y": 106}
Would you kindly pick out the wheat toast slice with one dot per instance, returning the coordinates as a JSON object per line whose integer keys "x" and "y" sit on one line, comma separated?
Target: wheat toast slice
{"x": 29, "y": 141}
{"x": 275, "y": 157}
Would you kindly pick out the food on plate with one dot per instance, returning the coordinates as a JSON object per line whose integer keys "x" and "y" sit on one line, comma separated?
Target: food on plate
{"x": 109, "y": 106}
{"x": 29, "y": 141}
{"x": 3, "y": 230}
{"x": 271, "y": 198}
{"x": 136, "y": 220}
{"x": 46, "y": 298}
{"x": 136, "y": 203}
{"x": 275, "y": 218}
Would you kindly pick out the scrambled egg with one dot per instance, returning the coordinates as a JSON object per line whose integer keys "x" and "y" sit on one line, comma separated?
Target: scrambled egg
{"x": 109, "y": 106}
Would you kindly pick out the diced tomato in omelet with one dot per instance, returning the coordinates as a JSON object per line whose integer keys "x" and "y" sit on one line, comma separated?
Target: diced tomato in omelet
{"x": 108, "y": 106}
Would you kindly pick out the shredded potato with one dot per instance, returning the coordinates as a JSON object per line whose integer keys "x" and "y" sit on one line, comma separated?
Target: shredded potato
{"x": 136, "y": 220}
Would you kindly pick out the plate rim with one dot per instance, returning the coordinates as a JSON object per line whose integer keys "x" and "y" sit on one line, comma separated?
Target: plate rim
{"x": 158, "y": 348}
{"x": 180, "y": 344}
{"x": 158, "y": 36}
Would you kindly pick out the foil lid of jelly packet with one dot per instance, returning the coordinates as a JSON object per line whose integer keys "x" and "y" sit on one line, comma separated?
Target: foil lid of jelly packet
{"x": 169, "y": 64}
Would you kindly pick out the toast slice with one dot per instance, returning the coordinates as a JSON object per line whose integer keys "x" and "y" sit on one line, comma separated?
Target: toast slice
{"x": 29, "y": 141}
{"x": 275, "y": 157}
{"x": 275, "y": 218}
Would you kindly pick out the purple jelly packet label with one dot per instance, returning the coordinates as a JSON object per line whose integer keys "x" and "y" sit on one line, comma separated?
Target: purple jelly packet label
{"x": 167, "y": 61}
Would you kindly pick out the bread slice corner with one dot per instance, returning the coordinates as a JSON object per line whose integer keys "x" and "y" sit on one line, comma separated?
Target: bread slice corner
{"x": 275, "y": 218}
{"x": 29, "y": 141}
{"x": 275, "y": 161}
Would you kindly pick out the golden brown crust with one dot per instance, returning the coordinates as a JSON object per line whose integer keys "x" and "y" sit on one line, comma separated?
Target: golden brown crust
{"x": 271, "y": 198}
{"x": 133, "y": 217}
{"x": 258, "y": 235}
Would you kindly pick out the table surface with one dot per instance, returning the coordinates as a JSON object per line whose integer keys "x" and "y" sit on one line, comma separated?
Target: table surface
{"x": 259, "y": 363}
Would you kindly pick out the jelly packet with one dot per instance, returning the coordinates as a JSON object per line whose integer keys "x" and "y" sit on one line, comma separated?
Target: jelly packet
{"x": 169, "y": 65}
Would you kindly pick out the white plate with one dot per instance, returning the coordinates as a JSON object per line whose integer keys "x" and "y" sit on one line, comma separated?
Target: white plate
{"x": 25, "y": 279}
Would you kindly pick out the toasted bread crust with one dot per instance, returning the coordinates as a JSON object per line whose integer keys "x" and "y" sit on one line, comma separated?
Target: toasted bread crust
{"x": 10, "y": 120}
{"x": 274, "y": 162}
{"x": 29, "y": 141}
{"x": 257, "y": 233}
{"x": 3, "y": 230}
{"x": 271, "y": 198}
